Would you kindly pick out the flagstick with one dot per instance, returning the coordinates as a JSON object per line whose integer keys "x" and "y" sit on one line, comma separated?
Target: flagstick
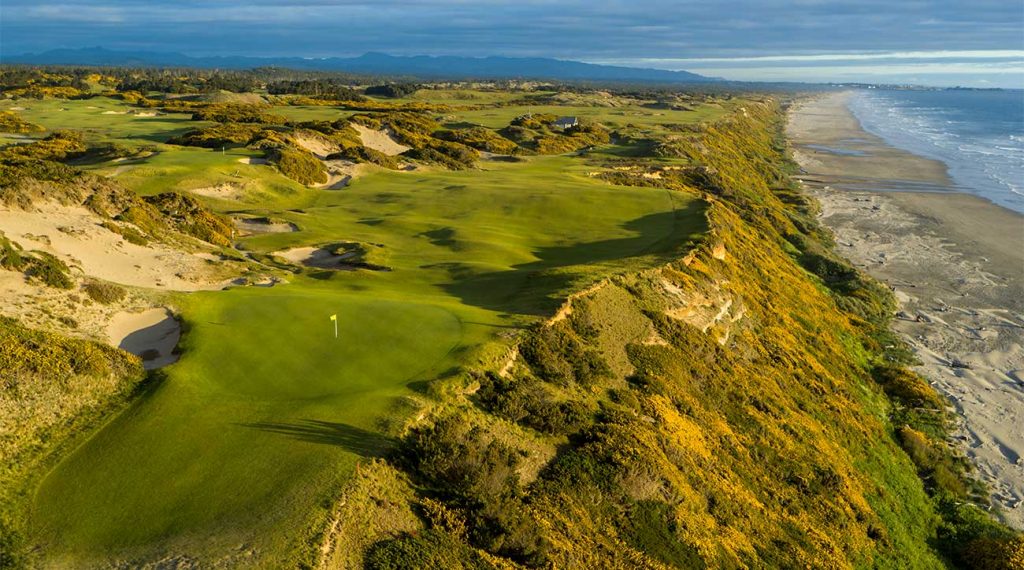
{"x": 335, "y": 328}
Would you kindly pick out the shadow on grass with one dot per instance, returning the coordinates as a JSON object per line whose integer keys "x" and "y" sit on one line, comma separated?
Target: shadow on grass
{"x": 357, "y": 440}
{"x": 538, "y": 287}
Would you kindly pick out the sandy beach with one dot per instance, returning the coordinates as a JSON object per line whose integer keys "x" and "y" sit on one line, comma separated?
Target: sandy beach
{"x": 956, "y": 263}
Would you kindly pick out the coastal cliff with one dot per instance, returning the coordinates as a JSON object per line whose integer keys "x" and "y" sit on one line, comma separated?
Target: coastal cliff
{"x": 744, "y": 406}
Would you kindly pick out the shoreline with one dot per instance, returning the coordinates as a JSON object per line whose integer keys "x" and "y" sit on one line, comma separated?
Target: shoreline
{"x": 953, "y": 260}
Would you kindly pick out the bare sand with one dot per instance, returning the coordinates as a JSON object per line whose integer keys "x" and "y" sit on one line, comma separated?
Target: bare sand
{"x": 225, "y": 191}
{"x": 150, "y": 335}
{"x": 956, "y": 264}
{"x": 315, "y": 257}
{"x": 74, "y": 235}
{"x": 340, "y": 174}
{"x": 381, "y": 141}
{"x": 253, "y": 226}
{"x": 315, "y": 143}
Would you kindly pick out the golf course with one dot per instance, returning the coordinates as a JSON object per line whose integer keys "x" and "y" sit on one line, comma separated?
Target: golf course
{"x": 241, "y": 445}
{"x": 275, "y": 318}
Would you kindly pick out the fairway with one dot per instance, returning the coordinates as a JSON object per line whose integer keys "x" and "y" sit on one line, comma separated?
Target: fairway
{"x": 241, "y": 445}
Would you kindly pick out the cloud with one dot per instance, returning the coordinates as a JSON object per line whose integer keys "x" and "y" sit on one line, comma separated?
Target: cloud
{"x": 663, "y": 33}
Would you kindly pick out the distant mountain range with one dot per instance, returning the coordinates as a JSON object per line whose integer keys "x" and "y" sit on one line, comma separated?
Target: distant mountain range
{"x": 420, "y": 66}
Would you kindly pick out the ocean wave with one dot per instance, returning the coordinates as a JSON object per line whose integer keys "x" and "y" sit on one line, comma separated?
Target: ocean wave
{"x": 977, "y": 136}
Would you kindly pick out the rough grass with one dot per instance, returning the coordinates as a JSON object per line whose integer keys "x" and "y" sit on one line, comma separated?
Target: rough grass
{"x": 51, "y": 389}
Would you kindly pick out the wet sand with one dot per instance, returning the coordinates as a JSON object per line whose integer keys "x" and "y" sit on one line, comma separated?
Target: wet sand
{"x": 956, "y": 262}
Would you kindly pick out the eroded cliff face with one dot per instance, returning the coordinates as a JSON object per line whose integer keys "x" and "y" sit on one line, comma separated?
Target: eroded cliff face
{"x": 743, "y": 406}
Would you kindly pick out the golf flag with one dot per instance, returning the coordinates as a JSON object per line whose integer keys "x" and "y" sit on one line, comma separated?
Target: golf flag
{"x": 334, "y": 318}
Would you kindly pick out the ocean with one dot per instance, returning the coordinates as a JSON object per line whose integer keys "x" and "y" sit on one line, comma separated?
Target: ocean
{"x": 979, "y": 135}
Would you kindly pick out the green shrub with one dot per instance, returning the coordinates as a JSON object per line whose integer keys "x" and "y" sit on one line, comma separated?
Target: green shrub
{"x": 104, "y": 293}
{"x": 556, "y": 355}
{"x": 532, "y": 403}
{"x": 393, "y": 90}
{"x": 218, "y": 136}
{"x": 480, "y": 138}
{"x": 907, "y": 387}
{"x": 364, "y": 154}
{"x": 428, "y": 549}
{"x": 461, "y": 461}
{"x": 11, "y": 122}
{"x": 130, "y": 234}
{"x": 190, "y": 217}
{"x": 49, "y": 270}
{"x": 12, "y": 257}
{"x": 299, "y": 165}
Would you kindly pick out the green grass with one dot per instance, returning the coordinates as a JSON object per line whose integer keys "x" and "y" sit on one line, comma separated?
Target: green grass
{"x": 253, "y": 431}
{"x": 241, "y": 444}
{"x": 88, "y": 117}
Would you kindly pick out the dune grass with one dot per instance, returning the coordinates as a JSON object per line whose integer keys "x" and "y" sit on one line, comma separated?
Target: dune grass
{"x": 234, "y": 455}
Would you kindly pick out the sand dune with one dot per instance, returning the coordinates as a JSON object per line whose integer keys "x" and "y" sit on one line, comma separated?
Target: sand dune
{"x": 74, "y": 235}
{"x": 381, "y": 141}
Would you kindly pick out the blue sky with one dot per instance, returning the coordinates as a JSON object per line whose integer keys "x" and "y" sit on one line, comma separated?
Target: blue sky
{"x": 976, "y": 42}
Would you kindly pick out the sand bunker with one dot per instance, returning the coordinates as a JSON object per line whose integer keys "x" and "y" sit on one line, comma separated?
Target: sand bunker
{"x": 225, "y": 191}
{"x": 344, "y": 256}
{"x": 316, "y": 257}
{"x": 253, "y": 161}
{"x": 380, "y": 141}
{"x": 75, "y": 235}
{"x": 250, "y": 226}
{"x": 339, "y": 174}
{"x": 150, "y": 335}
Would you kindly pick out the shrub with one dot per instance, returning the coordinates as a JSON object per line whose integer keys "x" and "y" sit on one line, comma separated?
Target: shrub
{"x": 462, "y": 461}
{"x": 130, "y": 234}
{"x": 56, "y": 147}
{"x": 556, "y": 355}
{"x": 190, "y": 217}
{"x": 480, "y": 138}
{"x": 11, "y": 122}
{"x": 907, "y": 388}
{"x": 393, "y": 90}
{"x": 364, "y": 154}
{"x": 12, "y": 257}
{"x": 49, "y": 270}
{"x": 428, "y": 549}
{"x": 217, "y": 136}
{"x": 104, "y": 293}
{"x": 299, "y": 165}
{"x": 530, "y": 402}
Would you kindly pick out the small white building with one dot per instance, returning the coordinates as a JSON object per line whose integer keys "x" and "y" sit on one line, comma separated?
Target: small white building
{"x": 566, "y": 123}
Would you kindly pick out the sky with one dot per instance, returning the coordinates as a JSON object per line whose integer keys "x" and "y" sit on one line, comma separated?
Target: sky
{"x": 930, "y": 42}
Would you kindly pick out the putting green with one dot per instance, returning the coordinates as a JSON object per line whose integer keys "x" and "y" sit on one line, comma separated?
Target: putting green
{"x": 263, "y": 413}
{"x": 234, "y": 456}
